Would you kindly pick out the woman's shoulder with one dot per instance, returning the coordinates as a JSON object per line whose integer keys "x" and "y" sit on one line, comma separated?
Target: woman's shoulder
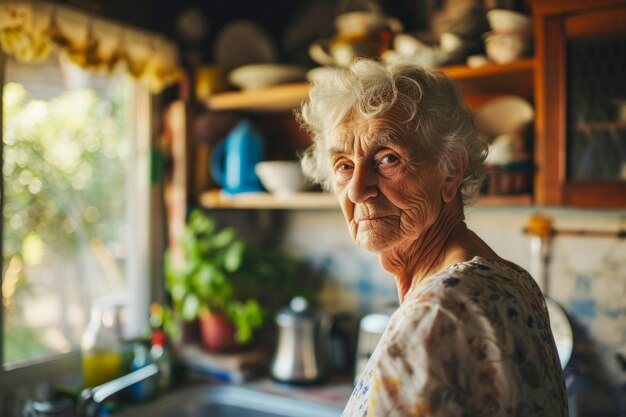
{"x": 490, "y": 314}
{"x": 473, "y": 298}
{"x": 479, "y": 271}
{"x": 478, "y": 282}
{"x": 482, "y": 267}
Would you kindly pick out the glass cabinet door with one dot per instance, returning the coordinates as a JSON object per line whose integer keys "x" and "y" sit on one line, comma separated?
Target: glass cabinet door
{"x": 580, "y": 148}
{"x": 596, "y": 109}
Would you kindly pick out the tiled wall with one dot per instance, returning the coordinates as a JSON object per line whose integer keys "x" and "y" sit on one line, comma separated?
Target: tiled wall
{"x": 587, "y": 277}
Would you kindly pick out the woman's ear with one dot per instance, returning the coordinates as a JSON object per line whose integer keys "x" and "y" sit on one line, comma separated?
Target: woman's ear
{"x": 450, "y": 186}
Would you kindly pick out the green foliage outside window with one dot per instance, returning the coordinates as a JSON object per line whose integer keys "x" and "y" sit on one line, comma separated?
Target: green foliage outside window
{"x": 63, "y": 163}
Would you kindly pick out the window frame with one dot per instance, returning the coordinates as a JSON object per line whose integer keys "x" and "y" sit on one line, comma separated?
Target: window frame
{"x": 145, "y": 248}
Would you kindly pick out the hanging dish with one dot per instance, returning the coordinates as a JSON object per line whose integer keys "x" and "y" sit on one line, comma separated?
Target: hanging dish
{"x": 561, "y": 330}
{"x": 243, "y": 42}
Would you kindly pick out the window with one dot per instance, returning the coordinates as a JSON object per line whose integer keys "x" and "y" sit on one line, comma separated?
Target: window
{"x": 75, "y": 204}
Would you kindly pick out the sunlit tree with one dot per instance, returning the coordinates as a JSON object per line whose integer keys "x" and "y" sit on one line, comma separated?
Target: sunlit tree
{"x": 64, "y": 172}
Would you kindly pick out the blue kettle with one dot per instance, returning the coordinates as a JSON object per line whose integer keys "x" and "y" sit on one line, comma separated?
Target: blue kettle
{"x": 234, "y": 158}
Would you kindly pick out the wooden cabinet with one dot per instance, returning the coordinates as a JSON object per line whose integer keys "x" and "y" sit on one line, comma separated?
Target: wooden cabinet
{"x": 580, "y": 98}
{"x": 579, "y": 158}
{"x": 477, "y": 85}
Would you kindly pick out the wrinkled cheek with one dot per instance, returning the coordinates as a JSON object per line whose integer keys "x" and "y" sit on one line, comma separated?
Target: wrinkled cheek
{"x": 414, "y": 221}
{"x": 354, "y": 231}
{"x": 347, "y": 208}
{"x": 421, "y": 215}
{"x": 349, "y": 216}
{"x": 376, "y": 239}
{"x": 363, "y": 237}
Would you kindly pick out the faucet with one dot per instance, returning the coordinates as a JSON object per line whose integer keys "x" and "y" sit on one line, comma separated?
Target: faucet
{"x": 90, "y": 399}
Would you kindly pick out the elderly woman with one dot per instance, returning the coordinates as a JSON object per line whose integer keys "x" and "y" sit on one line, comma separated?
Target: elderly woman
{"x": 471, "y": 336}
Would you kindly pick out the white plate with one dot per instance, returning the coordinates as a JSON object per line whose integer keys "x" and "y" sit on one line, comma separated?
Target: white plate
{"x": 243, "y": 42}
{"x": 561, "y": 330}
{"x": 257, "y": 76}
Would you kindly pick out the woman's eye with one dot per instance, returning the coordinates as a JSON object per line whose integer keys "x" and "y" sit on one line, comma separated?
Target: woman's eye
{"x": 388, "y": 159}
{"x": 343, "y": 167}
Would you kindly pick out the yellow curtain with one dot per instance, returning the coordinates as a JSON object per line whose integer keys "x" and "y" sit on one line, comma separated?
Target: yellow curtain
{"x": 31, "y": 30}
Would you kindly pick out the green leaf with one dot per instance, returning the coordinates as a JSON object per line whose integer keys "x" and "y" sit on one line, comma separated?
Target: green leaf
{"x": 191, "y": 307}
{"x": 246, "y": 318}
{"x": 224, "y": 238}
{"x": 178, "y": 292}
{"x": 203, "y": 277}
{"x": 200, "y": 223}
{"x": 173, "y": 330}
{"x": 189, "y": 242}
{"x": 234, "y": 257}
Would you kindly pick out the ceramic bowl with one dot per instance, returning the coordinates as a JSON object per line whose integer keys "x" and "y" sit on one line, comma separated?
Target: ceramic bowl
{"x": 282, "y": 178}
{"x": 258, "y": 76}
{"x": 476, "y": 61}
{"x": 408, "y": 45}
{"x": 362, "y": 22}
{"x": 509, "y": 21}
{"x": 503, "y": 115}
{"x": 505, "y": 149}
{"x": 504, "y": 48}
{"x": 318, "y": 74}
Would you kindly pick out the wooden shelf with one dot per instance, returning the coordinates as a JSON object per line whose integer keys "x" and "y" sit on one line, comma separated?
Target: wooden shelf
{"x": 588, "y": 126}
{"x": 476, "y": 83}
{"x": 521, "y": 200}
{"x": 305, "y": 200}
{"x": 282, "y": 97}
{"x": 481, "y": 84}
{"x": 318, "y": 200}
{"x": 515, "y": 78}
{"x": 463, "y": 72}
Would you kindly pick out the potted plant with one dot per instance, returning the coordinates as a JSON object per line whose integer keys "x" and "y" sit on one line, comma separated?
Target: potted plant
{"x": 227, "y": 284}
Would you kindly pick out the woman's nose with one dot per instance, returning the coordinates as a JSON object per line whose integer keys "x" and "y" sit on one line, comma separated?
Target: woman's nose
{"x": 363, "y": 184}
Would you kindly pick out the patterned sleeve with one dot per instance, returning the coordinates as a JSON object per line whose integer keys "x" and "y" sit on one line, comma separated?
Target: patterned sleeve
{"x": 441, "y": 359}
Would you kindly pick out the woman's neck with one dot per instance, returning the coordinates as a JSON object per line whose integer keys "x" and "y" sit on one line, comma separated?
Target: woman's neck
{"x": 431, "y": 252}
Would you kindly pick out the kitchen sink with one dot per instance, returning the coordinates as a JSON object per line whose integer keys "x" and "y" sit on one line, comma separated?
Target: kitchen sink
{"x": 229, "y": 401}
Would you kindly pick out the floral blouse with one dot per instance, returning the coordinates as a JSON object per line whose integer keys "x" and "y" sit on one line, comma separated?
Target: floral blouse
{"x": 472, "y": 340}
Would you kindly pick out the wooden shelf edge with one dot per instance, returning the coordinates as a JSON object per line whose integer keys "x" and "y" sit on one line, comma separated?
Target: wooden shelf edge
{"x": 304, "y": 200}
{"x": 318, "y": 200}
{"x": 505, "y": 200}
{"x": 282, "y": 97}
{"x": 459, "y": 72}
{"x": 286, "y": 97}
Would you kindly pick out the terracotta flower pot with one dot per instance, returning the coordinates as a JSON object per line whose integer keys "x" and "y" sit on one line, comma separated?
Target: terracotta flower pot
{"x": 217, "y": 332}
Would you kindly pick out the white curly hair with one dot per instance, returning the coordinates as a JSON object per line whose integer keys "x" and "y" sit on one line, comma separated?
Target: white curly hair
{"x": 430, "y": 103}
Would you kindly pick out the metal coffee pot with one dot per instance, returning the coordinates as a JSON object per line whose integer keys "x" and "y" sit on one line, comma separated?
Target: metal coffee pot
{"x": 302, "y": 351}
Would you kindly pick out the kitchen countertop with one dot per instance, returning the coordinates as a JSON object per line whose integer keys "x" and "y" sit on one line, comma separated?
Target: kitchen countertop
{"x": 334, "y": 393}
{"x": 201, "y": 397}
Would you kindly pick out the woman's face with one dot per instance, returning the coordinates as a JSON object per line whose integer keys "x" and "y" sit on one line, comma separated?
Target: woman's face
{"x": 388, "y": 189}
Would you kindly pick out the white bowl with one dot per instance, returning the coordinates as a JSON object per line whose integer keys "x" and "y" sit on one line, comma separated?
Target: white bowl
{"x": 282, "y": 177}
{"x": 258, "y": 76}
{"x": 504, "y": 48}
{"x": 509, "y": 21}
{"x": 362, "y": 22}
{"x": 503, "y": 115}
{"x": 506, "y": 149}
{"x": 319, "y": 74}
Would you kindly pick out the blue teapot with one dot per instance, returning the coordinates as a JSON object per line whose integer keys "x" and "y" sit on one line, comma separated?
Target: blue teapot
{"x": 234, "y": 158}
